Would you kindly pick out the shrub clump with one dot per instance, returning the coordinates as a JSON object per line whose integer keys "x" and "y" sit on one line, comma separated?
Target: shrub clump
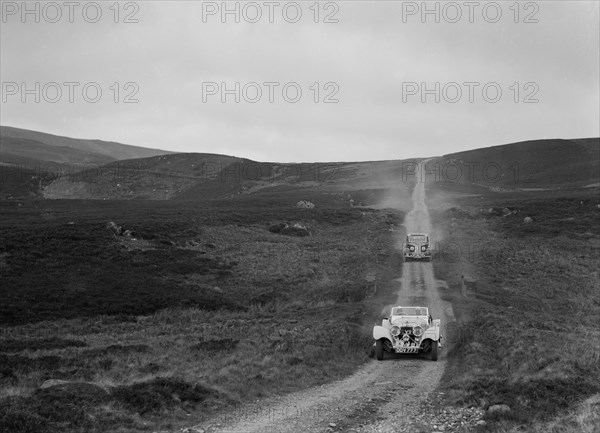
{"x": 159, "y": 394}
{"x": 38, "y": 344}
{"x": 216, "y": 345}
{"x": 15, "y": 420}
{"x": 52, "y": 409}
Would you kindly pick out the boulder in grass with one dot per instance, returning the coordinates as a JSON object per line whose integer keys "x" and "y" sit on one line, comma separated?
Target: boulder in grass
{"x": 528, "y": 220}
{"x": 499, "y": 408}
{"x": 305, "y": 204}
{"x": 296, "y": 229}
{"x": 117, "y": 230}
{"x": 128, "y": 233}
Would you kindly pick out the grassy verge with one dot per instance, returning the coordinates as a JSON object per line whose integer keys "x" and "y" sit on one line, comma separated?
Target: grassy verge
{"x": 527, "y": 332}
{"x": 205, "y": 310}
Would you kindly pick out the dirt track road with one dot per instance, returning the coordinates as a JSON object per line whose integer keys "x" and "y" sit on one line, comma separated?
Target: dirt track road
{"x": 383, "y": 395}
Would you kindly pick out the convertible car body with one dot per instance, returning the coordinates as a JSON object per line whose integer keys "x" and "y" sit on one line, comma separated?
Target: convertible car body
{"x": 408, "y": 330}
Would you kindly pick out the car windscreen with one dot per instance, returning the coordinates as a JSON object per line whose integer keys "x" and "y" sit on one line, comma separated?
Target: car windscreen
{"x": 409, "y": 311}
{"x": 417, "y": 238}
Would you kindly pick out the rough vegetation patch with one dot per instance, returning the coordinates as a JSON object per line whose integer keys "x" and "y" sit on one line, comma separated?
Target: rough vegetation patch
{"x": 511, "y": 347}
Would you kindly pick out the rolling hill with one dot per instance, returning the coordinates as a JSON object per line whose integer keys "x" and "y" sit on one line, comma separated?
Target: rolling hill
{"x": 202, "y": 176}
{"x": 21, "y": 146}
{"x": 30, "y": 160}
{"x": 528, "y": 165}
{"x": 127, "y": 172}
{"x": 531, "y": 165}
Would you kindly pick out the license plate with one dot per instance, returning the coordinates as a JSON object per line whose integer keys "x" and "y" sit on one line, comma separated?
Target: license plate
{"x": 407, "y": 350}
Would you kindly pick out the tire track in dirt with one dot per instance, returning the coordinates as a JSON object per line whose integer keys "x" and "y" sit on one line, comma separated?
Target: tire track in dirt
{"x": 381, "y": 396}
{"x": 418, "y": 286}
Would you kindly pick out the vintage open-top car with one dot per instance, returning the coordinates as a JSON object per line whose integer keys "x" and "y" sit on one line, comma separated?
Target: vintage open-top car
{"x": 408, "y": 330}
{"x": 417, "y": 247}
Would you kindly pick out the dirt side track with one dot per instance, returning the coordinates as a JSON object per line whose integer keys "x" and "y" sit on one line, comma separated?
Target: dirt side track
{"x": 383, "y": 395}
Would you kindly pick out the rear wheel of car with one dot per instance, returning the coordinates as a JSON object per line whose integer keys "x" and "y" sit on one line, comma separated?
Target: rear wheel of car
{"x": 434, "y": 351}
{"x": 379, "y": 350}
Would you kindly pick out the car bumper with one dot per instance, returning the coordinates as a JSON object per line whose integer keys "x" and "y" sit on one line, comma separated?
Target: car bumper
{"x": 410, "y": 349}
{"x": 417, "y": 255}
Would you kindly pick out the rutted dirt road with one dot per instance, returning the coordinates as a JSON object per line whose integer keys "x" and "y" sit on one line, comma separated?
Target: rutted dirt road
{"x": 383, "y": 396}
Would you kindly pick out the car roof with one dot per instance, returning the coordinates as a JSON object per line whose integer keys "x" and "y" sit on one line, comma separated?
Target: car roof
{"x": 417, "y": 234}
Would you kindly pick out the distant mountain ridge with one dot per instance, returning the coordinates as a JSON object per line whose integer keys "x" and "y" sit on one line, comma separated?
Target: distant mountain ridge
{"x": 22, "y": 146}
{"x": 525, "y": 165}
{"x": 115, "y": 174}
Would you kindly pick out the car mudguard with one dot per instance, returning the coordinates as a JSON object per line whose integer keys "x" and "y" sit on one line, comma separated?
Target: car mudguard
{"x": 381, "y": 332}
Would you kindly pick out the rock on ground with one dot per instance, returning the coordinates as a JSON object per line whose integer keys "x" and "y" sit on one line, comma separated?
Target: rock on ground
{"x": 296, "y": 229}
{"x": 499, "y": 408}
{"x": 305, "y": 204}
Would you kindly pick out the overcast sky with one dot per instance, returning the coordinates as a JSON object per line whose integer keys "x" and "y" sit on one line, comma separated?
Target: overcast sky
{"x": 378, "y": 61}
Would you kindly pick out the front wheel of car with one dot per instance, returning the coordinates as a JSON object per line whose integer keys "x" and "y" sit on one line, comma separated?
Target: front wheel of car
{"x": 434, "y": 351}
{"x": 379, "y": 350}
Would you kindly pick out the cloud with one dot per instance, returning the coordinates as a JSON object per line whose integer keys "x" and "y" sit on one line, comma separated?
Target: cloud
{"x": 369, "y": 54}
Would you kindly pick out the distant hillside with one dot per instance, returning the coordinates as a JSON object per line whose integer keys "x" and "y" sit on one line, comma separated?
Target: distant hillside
{"x": 158, "y": 177}
{"x": 30, "y": 160}
{"x": 202, "y": 176}
{"x": 22, "y": 146}
{"x": 32, "y": 153}
{"x": 540, "y": 164}
{"x": 530, "y": 165}
{"x": 524, "y": 165}
{"x": 19, "y": 183}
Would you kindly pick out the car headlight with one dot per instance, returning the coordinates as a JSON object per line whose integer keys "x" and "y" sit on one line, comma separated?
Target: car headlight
{"x": 424, "y": 247}
{"x": 395, "y": 331}
{"x": 418, "y": 331}
{"x": 411, "y": 247}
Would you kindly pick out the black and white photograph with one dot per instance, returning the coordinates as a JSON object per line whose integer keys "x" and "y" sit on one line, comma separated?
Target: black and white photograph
{"x": 355, "y": 216}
